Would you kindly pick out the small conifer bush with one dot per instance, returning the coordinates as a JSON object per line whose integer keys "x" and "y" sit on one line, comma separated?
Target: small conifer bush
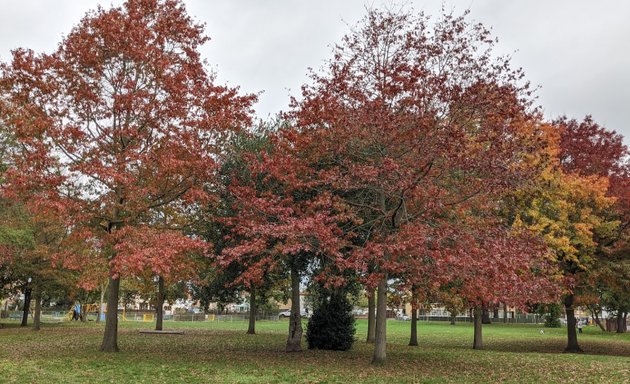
{"x": 332, "y": 324}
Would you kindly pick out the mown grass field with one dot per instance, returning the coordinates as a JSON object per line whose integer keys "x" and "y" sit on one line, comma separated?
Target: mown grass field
{"x": 221, "y": 353}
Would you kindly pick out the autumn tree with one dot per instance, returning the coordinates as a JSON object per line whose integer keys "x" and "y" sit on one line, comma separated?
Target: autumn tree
{"x": 451, "y": 302}
{"x": 39, "y": 262}
{"x": 16, "y": 233}
{"x": 226, "y": 279}
{"x": 160, "y": 254}
{"x": 16, "y": 240}
{"x": 568, "y": 211}
{"x": 122, "y": 123}
{"x": 29, "y": 250}
{"x": 409, "y": 122}
{"x": 589, "y": 149}
{"x": 280, "y": 224}
{"x": 280, "y": 228}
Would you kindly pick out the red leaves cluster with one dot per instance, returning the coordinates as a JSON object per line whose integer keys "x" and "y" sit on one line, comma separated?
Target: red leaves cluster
{"x": 122, "y": 126}
{"x": 162, "y": 252}
{"x": 590, "y": 149}
{"x": 411, "y": 126}
{"x": 271, "y": 226}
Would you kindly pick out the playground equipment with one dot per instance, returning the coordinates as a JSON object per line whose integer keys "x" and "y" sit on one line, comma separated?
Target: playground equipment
{"x": 85, "y": 309}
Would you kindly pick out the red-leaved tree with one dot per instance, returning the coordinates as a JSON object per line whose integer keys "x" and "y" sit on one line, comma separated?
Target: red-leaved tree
{"x": 120, "y": 128}
{"x": 410, "y": 124}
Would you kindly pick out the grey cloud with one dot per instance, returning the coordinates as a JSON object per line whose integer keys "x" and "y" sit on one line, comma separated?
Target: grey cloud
{"x": 576, "y": 50}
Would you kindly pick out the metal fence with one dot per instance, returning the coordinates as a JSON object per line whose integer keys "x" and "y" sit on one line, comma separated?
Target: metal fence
{"x": 193, "y": 317}
{"x": 519, "y": 319}
{"x": 46, "y": 316}
{"x": 60, "y": 316}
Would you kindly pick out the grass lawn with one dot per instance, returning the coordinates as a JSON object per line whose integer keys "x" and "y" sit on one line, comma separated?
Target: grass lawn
{"x": 221, "y": 353}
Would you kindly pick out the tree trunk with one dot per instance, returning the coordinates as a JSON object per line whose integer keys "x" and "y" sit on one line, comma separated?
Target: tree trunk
{"x": 495, "y": 312}
{"x": 371, "y": 333}
{"x": 413, "y": 339}
{"x": 485, "y": 315}
{"x": 599, "y": 323}
{"x": 251, "y": 329}
{"x": 453, "y": 316}
{"x": 110, "y": 337}
{"x": 380, "y": 341}
{"x": 505, "y": 313}
{"x": 477, "y": 338}
{"x": 100, "y": 304}
{"x": 595, "y": 315}
{"x": 572, "y": 341}
{"x": 38, "y": 309}
{"x": 294, "y": 342}
{"x": 27, "y": 306}
{"x": 621, "y": 323}
{"x": 159, "y": 305}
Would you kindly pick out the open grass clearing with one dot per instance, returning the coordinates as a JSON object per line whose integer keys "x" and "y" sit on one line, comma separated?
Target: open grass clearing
{"x": 222, "y": 352}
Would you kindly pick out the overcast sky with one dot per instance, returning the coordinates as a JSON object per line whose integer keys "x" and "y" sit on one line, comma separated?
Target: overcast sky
{"x": 577, "y": 51}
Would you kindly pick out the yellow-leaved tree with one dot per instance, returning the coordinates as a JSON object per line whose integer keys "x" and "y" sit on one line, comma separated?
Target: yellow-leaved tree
{"x": 568, "y": 211}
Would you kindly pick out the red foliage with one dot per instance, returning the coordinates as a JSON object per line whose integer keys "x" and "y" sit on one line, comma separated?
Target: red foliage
{"x": 590, "y": 149}
{"x": 406, "y": 128}
{"x": 272, "y": 225}
{"x": 121, "y": 120}
{"x": 163, "y": 252}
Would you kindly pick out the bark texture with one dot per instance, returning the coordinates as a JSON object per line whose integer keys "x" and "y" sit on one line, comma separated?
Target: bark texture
{"x": 478, "y": 337}
{"x": 371, "y": 333}
{"x": 621, "y": 322}
{"x": 251, "y": 329}
{"x": 110, "y": 337}
{"x": 159, "y": 305}
{"x": 294, "y": 341}
{"x": 413, "y": 339}
{"x": 572, "y": 341}
{"x": 27, "y": 306}
{"x": 380, "y": 342}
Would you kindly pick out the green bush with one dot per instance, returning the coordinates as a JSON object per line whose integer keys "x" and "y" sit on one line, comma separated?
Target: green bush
{"x": 332, "y": 324}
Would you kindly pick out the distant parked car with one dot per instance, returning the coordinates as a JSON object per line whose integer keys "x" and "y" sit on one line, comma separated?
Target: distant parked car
{"x": 287, "y": 313}
{"x": 403, "y": 317}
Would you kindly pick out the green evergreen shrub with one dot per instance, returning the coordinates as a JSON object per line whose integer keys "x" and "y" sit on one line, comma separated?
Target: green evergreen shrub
{"x": 332, "y": 324}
